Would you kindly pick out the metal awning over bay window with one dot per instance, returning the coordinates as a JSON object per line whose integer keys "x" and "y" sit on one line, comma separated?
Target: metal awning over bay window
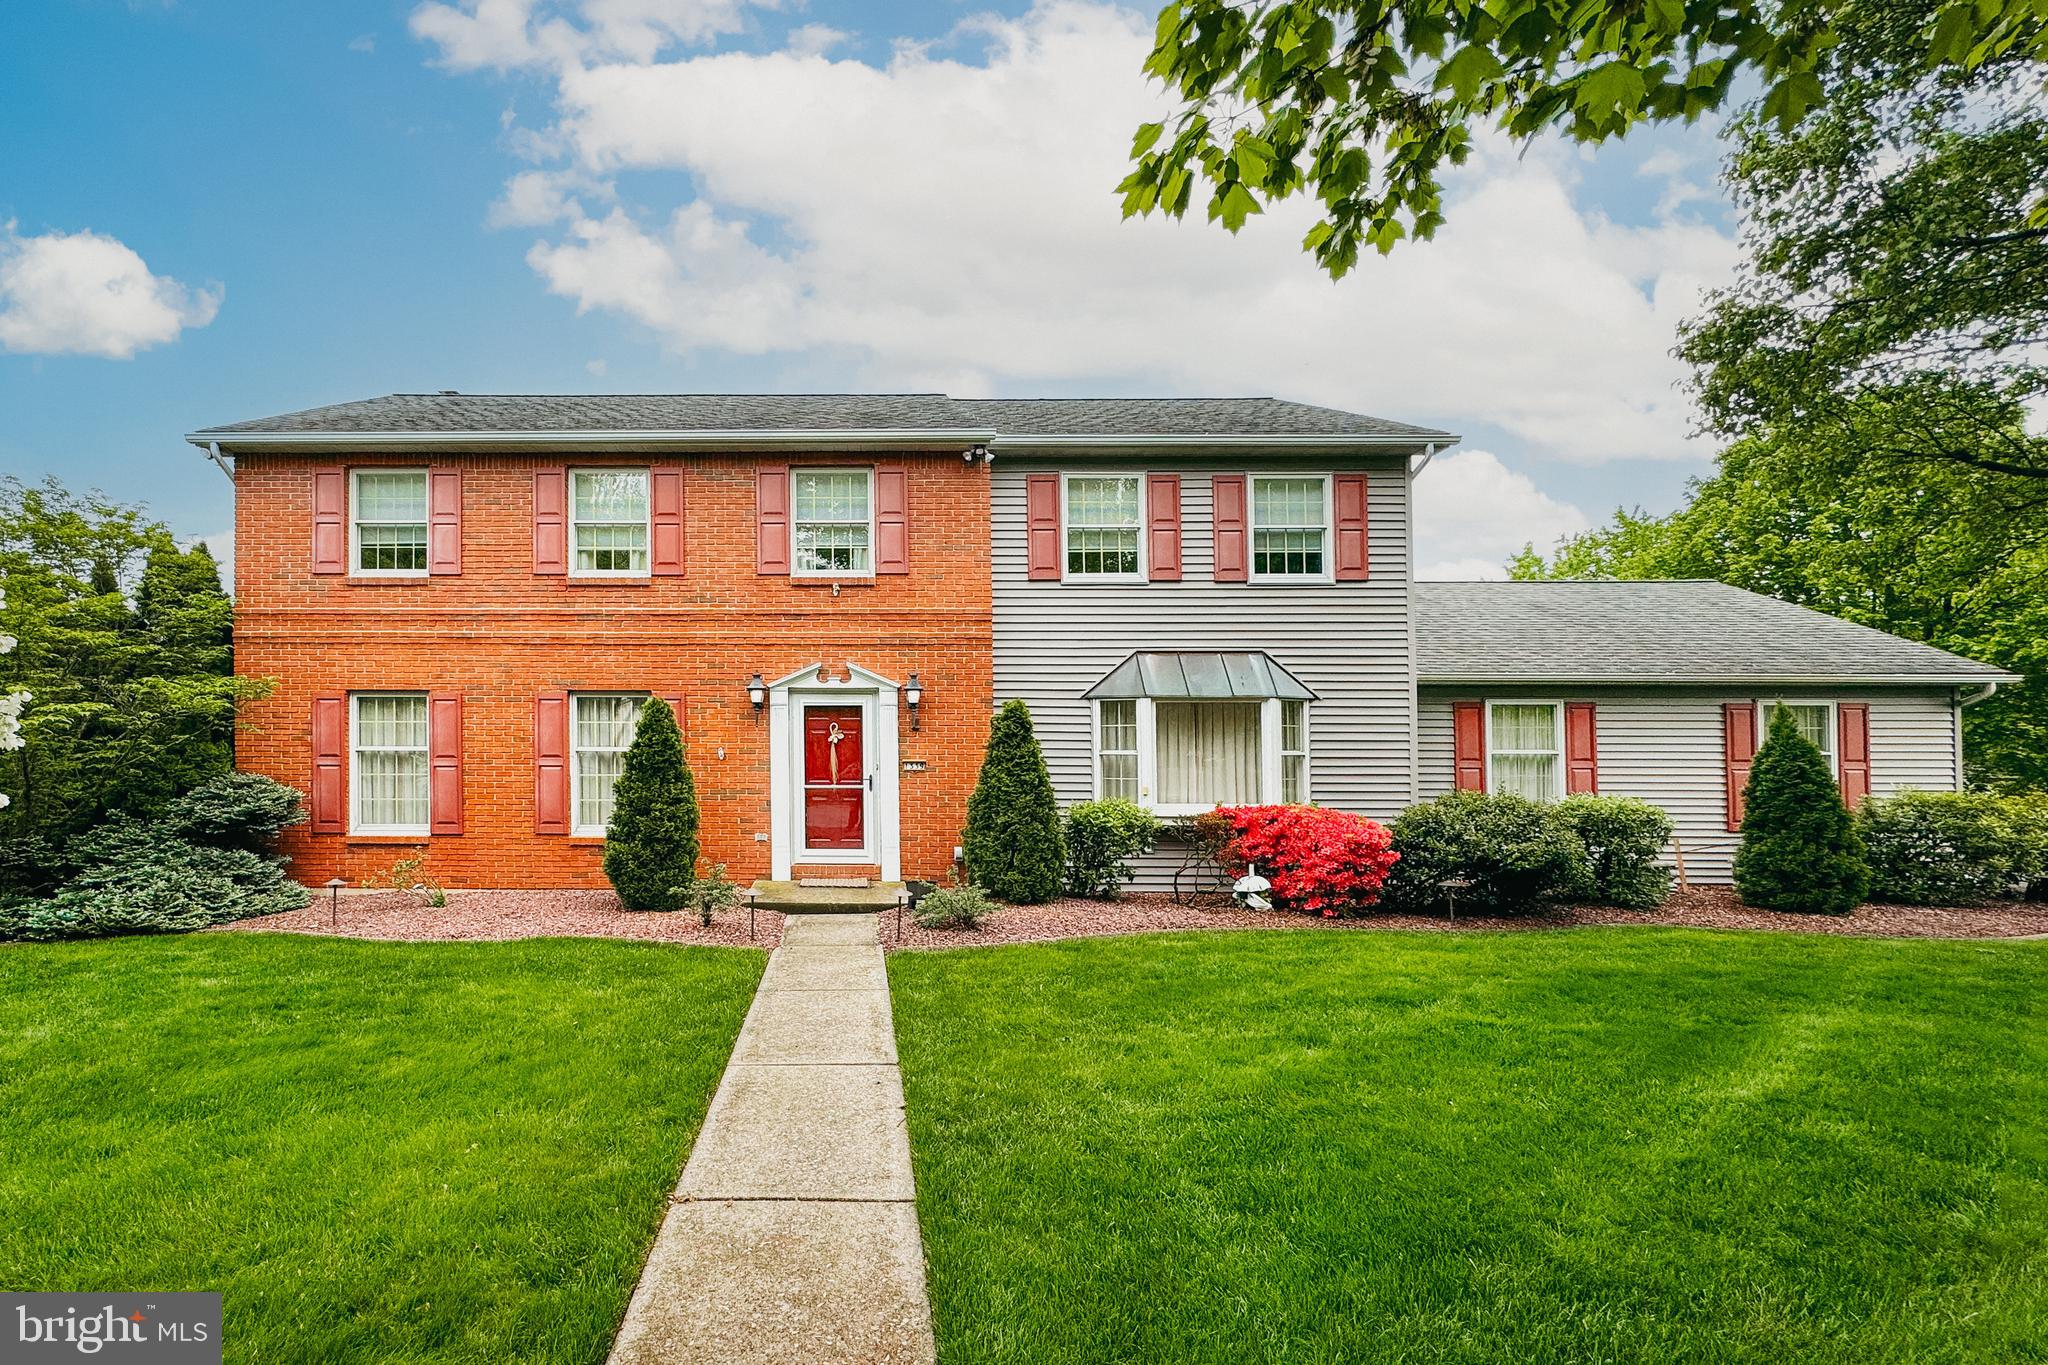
{"x": 1184, "y": 732}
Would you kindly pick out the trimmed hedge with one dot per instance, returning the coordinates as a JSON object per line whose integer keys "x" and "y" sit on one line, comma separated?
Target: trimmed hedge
{"x": 1102, "y": 837}
{"x": 1515, "y": 856}
{"x": 1622, "y": 838}
{"x": 1952, "y": 848}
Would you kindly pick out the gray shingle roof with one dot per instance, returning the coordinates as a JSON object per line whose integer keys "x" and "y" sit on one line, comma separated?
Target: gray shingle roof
{"x": 707, "y": 412}
{"x": 1660, "y": 632}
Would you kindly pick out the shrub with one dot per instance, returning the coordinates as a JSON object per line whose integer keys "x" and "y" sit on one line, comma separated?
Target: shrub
{"x": 410, "y": 874}
{"x": 139, "y": 879}
{"x": 1102, "y": 837}
{"x": 954, "y": 907}
{"x": 1799, "y": 848}
{"x": 1949, "y": 848}
{"x": 1514, "y": 855}
{"x": 1012, "y": 841}
{"x": 1316, "y": 858}
{"x": 235, "y": 810}
{"x": 650, "y": 848}
{"x": 712, "y": 893}
{"x": 1622, "y": 838}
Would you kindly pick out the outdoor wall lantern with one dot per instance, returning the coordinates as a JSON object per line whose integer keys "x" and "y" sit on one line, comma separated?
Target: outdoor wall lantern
{"x": 913, "y": 696}
{"x": 757, "y": 693}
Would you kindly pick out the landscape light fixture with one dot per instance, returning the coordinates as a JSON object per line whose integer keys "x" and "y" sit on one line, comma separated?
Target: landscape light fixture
{"x": 913, "y": 696}
{"x": 334, "y": 886}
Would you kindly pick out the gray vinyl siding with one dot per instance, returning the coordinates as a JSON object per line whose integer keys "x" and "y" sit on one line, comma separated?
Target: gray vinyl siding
{"x": 1664, "y": 745}
{"x": 1349, "y": 642}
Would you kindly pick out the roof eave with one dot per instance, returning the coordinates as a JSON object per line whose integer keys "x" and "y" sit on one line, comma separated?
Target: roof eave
{"x": 808, "y": 438}
{"x": 1958, "y": 679}
{"x": 1082, "y": 443}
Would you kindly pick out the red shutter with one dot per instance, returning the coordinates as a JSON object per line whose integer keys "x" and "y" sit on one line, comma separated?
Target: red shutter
{"x": 1468, "y": 744}
{"x": 330, "y": 521}
{"x": 1581, "y": 748}
{"x": 1233, "y": 564}
{"x": 1852, "y": 741}
{"x": 1738, "y": 749}
{"x": 444, "y": 521}
{"x": 675, "y": 704}
{"x": 1353, "y": 557}
{"x": 892, "y": 519}
{"x": 551, "y": 521}
{"x": 771, "y": 519}
{"x": 330, "y": 790}
{"x": 665, "y": 502}
{"x": 551, "y": 763}
{"x": 1162, "y": 527}
{"x": 444, "y": 762}
{"x": 1042, "y": 525}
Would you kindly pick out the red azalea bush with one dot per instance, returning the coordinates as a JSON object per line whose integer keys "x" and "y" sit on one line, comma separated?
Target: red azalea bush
{"x": 1317, "y": 858}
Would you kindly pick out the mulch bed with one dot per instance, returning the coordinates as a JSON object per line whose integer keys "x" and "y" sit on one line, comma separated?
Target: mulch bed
{"x": 498, "y": 915}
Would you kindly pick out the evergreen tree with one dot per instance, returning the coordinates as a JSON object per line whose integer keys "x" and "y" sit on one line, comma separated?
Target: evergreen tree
{"x": 1800, "y": 850}
{"x": 1012, "y": 841}
{"x": 650, "y": 850}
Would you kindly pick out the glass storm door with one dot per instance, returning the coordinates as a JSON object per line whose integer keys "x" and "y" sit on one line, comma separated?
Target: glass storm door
{"x": 835, "y": 778}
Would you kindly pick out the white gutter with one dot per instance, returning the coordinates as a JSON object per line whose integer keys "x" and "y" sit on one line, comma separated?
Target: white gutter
{"x": 828, "y": 438}
{"x": 1164, "y": 441}
{"x": 1984, "y": 695}
{"x": 1421, "y": 462}
{"x": 1712, "y": 680}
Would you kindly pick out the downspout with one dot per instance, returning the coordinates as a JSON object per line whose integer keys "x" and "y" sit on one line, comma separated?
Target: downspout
{"x": 1428, "y": 454}
{"x": 212, "y": 452}
{"x": 1985, "y": 695}
{"x": 1962, "y": 701}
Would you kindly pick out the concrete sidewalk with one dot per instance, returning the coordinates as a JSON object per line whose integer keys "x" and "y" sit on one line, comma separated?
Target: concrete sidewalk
{"x": 793, "y": 1233}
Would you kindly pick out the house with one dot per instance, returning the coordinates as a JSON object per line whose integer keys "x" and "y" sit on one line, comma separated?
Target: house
{"x": 464, "y": 600}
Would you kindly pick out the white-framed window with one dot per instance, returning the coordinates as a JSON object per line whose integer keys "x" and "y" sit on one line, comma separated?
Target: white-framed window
{"x": 1103, "y": 538}
{"x": 1179, "y": 757}
{"x": 1291, "y": 526}
{"x": 1816, "y": 721}
{"x": 601, "y": 726}
{"x": 608, "y": 523}
{"x": 832, "y": 529}
{"x": 388, "y": 523}
{"x": 388, "y": 783}
{"x": 1525, "y": 749}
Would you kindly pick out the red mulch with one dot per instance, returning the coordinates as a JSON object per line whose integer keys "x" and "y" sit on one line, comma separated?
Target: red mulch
{"x": 499, "y": 915}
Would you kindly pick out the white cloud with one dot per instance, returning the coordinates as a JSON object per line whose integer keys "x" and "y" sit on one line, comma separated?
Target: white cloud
{"x": 815, "y": 40}
{"x": 82, "y": 293}
{"x": 935, "y": 217}
{"x": 597, "y": 367}
{"x": 503, "y": 34}
{"x": 363, "y": 42}
{"x": 1472, "y": 513}
{"x": 537, "y": 199}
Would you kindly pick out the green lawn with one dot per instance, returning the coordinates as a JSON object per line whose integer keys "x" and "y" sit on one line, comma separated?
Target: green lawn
{"x": 376, "y": 1152}
{"x": 1599, "y": 1146}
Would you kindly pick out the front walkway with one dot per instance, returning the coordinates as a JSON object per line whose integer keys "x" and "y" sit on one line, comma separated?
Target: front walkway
{"x": 793, "y": 1235}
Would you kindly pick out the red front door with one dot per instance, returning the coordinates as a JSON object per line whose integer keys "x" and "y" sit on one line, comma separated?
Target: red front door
{"x": 835, "y": 778}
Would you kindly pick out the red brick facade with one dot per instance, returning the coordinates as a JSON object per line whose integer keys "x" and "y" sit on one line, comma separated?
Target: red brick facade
{"x": 500, "y": 635}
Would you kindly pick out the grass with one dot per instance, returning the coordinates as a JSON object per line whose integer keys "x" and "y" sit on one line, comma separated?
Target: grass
{"x": 1628, "y": 1145}
{"x": 376, "y": 1152}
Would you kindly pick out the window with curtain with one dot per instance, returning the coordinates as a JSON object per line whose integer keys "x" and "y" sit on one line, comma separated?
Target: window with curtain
{"x": 1815, "y": 721}
{"x": 1293, "y": 752}
{"x": 1287, "y": 528}
{"x": 608, "y": 521}
{"x": 1207, "y": 752}
{"x": 390, "y": 514}
{"x": 389, "y": 763}
{"x": 830, "y": 521}
{"x": 1116, "y": 755}
{"x": 1102, "y": 527}
{"x": 1525, "y": 755}
{"x": 601, "y": 729}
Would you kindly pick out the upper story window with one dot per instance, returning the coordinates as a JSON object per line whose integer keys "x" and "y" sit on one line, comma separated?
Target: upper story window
{"x": 601, "y": 726}
{"x": 608, "y": 522}
{"x": 390, "y": 523}
{"x": 1816, "y": 721}
{"x": 832, "y": 521}
{"x": 1290, "y": 525}
{"x": 1525, "y": 749}
{"x": 1102, "y": 526}
{"x": 388, "y": 763}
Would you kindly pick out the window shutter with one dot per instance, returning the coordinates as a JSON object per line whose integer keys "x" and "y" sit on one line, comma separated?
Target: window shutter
{"x": 444, "y": 762}
{"x": 1233, "y": 564}
{"x": 330, "y": 521}
{"x": 444, "y": 521}
{"x": 1468, "y": 744}
{"x": 771, "y": 519}
{"x": 1852, "y": 743}
{"x": 675, "y": 704}
{"x": 1581, "y": 748}
{"x": 1348, "y": 499}
{"x": 551, "y": 763}
{"x": 1738, "y": 748}
{"x": 330, "y": 792}
{"x": 1042, "y": 525}
{"x": 665, "y": 505}
{"x": 892, "y": 519}
{"x": 1162, "y": 527}
{"x": 551, "y": 521}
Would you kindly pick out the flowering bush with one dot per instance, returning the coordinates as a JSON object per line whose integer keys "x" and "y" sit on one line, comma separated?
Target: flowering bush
{"x": 10, "y": 705}
{"x": 1316, "y": 858}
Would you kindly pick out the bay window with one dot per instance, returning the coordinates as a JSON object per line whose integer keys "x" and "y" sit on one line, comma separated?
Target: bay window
{"x": 1290, "y": 523}
{"x": 388, "y": 763}
{"x": 388, "y": 522}
{"x": 1525, "y": 749}
{"x": 1116, "y": 750}
{"x": 608, "y": 522}
{"x": 1102, "y": 526}
{"x": 831, "y": 523}
{"x": 1182, "y": 757}
{"x": 601, "y": 726}
{"x": 1207, "y": 753}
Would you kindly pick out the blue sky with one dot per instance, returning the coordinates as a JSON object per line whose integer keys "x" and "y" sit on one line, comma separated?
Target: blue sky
{"x": 299, "y": 204}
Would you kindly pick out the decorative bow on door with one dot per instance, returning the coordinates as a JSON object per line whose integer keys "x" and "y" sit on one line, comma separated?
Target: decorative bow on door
{"x": 833, "y": 735}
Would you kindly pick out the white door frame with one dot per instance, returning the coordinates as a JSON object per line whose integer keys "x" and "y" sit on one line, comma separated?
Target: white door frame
{"x": 876, "y": 695}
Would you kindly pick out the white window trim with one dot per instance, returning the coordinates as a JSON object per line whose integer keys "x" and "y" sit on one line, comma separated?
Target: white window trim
{"x": 355, "y": 522}
{"x": 355, "y": 768}
{"x": 1067, "y": 528}
{"x": 577, "y": 831}
{"x": 1556, "y": 706}
{"x": 1829, "y": 708}
{"x": 1095, "y": 743}
{"x": 795, "y": 570}
{"x": 1148, "y": 751}
{"x": 1280, "y": 754}
{"x": 1251, "y": 517}
{"x": 647, "y": 477}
